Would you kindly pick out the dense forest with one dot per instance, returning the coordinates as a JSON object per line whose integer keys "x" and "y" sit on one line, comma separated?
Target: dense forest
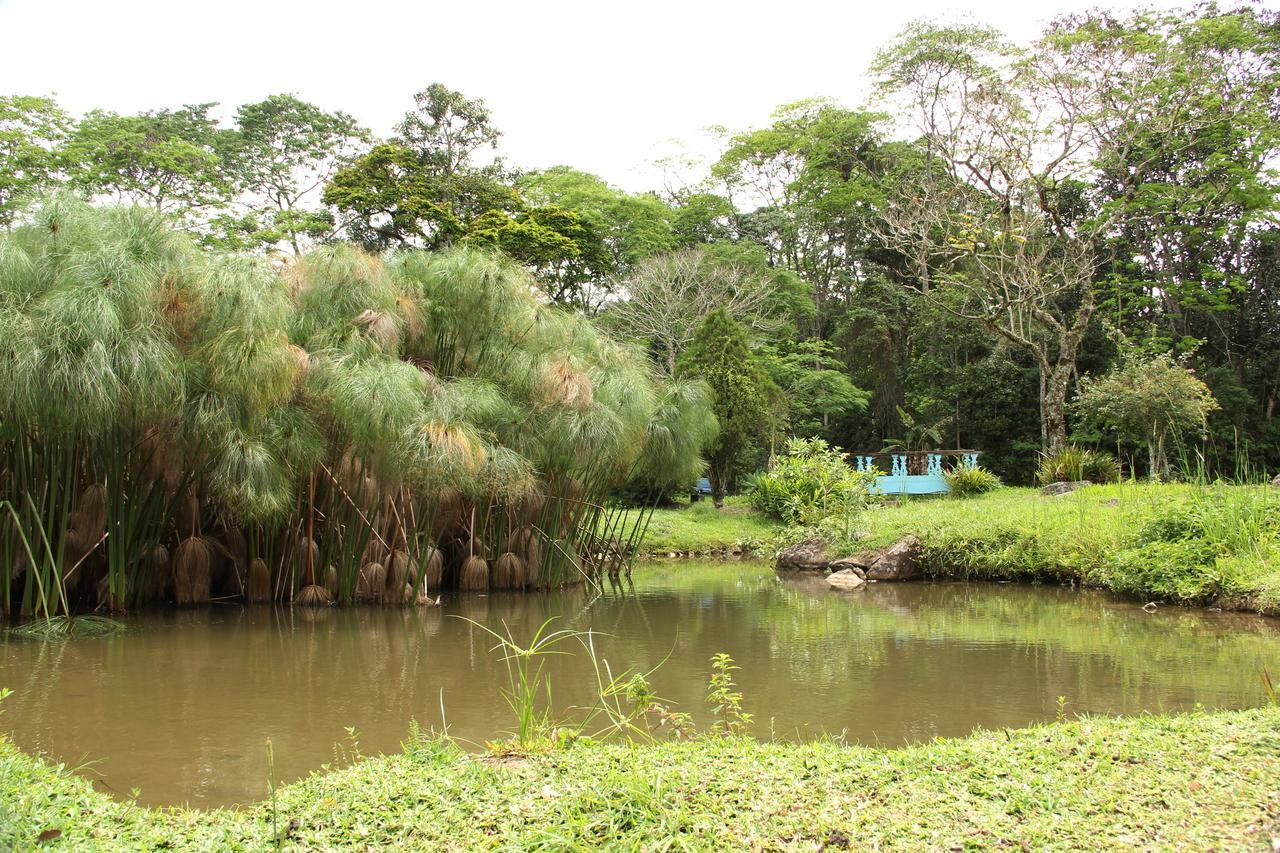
{"x": 946, "y": 265}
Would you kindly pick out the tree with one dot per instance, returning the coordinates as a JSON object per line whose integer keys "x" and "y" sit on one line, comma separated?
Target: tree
{"x": 564, "y": 252}
{"x": 1212, "y": 78}
{"x": 447, "y": 129}
{"x": 720, "y": 355}
{"x": 1147, "y": 398}
{"x": 668, "y": 297}
{"x": 814, "y": 383}
{"x": 1016, "y": 143}
{"x": 31, "y": 129}
{"x": 174, "y": 161}
{"x": 630, "y": 227}
{"x": 806, "y": 179}
{"x": 285, "y": 151}
{"x": 424, "y": 187}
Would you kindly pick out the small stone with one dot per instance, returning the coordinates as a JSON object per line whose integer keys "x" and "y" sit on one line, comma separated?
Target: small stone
{"x": 1057, "y": 490}
{"x": 845, "y": 579}
{"x": 856, "y": 564}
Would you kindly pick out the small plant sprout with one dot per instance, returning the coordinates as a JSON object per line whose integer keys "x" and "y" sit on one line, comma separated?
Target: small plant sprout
{"x": 725, "y": 701}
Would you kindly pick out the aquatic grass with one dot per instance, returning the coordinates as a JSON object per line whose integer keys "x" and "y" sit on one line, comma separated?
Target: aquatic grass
{"x": 528, "y": 689}
{"x": 68, "y": 627}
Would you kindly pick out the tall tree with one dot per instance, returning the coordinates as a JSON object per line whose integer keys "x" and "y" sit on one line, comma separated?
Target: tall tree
{"x": 1015, "y": 143}
{"x": 630, "y": 227}
{"x": 744, "y": 396}
{"x": 564, "y": 252}
{"x": 174, "y": 161}
{"x": 286, "y": 150}
{"x": 668, "y": 297}
{"x": 424, "y": 187}
{"x": 31, "y": 129}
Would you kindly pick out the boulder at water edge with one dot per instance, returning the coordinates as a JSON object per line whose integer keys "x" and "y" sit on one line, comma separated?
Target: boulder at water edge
{"x": 845, "y": 579}
{"x": 898, "y": 562}
{"x": 807, "y": 556}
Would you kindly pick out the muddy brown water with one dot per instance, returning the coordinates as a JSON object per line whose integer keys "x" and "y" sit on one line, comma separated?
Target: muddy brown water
{"x": 179, "y": 707}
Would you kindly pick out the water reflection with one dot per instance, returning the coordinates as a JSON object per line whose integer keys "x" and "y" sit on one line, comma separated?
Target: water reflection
{"x": 182, "y": 704}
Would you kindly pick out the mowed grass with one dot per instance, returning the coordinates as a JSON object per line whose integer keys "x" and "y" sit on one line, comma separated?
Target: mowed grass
{"x": 1195, "y": 781}
{"x": 701, "y": 528}
{"x": 1190, "y": 544}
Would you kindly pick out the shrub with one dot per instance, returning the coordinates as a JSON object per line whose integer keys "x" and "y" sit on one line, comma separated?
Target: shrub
{"x": 969, "y": 480}
{"x": 1071, "y": 464}
{"x": 810, "y": 483}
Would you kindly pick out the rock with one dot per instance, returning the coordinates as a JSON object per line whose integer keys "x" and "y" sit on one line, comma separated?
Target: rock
{"x": 807, "y": 556}
{"x": 1057, "y": 490}
{"x": 1275, "y": 481}
{"x": 898, "y": 562}
{"x": 858, "y": 564}
{"x": 845, "y": 579}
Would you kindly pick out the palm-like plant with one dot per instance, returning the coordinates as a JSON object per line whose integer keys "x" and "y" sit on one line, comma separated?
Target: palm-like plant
{"x": 172, "y": 422}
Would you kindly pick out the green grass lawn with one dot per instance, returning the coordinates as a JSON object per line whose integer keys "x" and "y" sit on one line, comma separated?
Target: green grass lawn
{"x": 1193, "y": 781}
{"x": 1192, "y": 544}
{"x": 701, "y": 528}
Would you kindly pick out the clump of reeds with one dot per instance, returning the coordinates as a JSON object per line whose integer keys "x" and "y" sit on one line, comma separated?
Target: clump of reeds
{"x": 192, "y": 579}
{"x": 180, "y": 425}
{"x": 474, "y": 576}
{"x": 432, "y": 570}
{"x": 372, "y": 583}
{"x": 312, "y": 595}
{"x": 508, "y": 572}
{"x": 258, "y": 589}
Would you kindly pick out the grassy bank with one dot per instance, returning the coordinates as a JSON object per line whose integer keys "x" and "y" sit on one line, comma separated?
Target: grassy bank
{"x": 1200, "y": 780}
{"x": 700, "y": 528}
{"x": 1188, "y": 544}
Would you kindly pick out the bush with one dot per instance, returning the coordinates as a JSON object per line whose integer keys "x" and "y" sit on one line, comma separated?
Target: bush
{"x": 969, "y": 480}
{"x": 812, "y": 482}
{"x": 1072, "y": 464}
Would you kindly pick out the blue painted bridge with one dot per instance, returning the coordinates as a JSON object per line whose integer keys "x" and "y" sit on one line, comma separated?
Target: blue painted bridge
{"x": 914, "y": 472}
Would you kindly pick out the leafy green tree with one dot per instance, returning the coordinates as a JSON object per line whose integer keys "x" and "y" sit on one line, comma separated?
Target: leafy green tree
{"x": 632, "y": 227}
{"x": 424, "y": 187}
{"x": 285, "y": 151}
{"x": 1205, "y": 178}
{"x": 704, "y": 217}
{"x": 447, "y": 129}
{"x": 1037, "y": 158}
{"x": 563, "y": 251}
{"x": 814, "y": 383}
{"x": 174, "y": 161}
{"x": 809, "y": 177}
{"x": 720, "y": 355}
{"x": 1147, "y": 398}
{"x": 31, "y": 129}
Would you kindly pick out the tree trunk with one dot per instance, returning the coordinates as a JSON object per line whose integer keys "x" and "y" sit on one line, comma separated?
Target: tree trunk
{"x": 721, "y": 468}
{"x": 1054, "y": 407}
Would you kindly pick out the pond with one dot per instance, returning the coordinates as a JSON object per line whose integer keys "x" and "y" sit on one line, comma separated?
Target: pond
{"x": 181, "y": 705}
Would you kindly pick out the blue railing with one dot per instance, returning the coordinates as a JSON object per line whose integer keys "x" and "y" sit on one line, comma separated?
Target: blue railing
{"x": 917, "y": 472}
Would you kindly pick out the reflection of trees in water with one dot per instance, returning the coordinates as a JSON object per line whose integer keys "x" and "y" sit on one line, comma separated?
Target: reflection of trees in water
{"x": 192, "y": 695}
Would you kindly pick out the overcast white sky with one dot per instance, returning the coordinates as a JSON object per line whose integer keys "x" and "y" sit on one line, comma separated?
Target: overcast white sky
{"x": 602, "y": 86}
